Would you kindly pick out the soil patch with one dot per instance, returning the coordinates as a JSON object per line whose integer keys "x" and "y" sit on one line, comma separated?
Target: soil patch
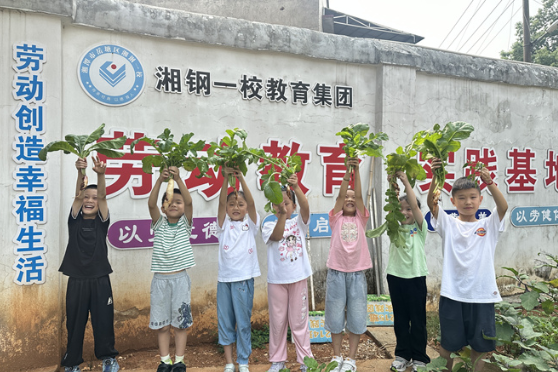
{"x": 211, "y": 355}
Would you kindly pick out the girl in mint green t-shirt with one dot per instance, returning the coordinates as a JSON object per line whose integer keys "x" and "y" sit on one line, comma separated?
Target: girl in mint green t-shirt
{"x": 406, "y": 277}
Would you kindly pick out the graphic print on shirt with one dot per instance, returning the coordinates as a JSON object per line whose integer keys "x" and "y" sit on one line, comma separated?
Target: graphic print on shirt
{"x": 480, "y": 232}
{"x": 290, "y": 248}
{"x": 349, "y": 232}
{"x": 413, "y": 232}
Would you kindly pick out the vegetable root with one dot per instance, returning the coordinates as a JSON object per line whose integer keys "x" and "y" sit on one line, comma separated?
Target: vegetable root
{"x": 169, "y": 193}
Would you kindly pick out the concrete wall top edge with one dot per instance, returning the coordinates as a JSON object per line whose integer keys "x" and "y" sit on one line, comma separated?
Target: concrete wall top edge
{"x": 124, "y": 16}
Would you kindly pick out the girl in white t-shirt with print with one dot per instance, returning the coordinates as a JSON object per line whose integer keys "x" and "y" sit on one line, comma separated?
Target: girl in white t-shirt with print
{"x": 238, "y": 266}
{"x": 288, "y": 268}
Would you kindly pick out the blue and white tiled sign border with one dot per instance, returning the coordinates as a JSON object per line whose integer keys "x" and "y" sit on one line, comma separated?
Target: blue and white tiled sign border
{"x": 111, "y": 75}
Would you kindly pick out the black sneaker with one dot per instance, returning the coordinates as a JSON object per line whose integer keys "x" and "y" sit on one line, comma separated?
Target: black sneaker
{"x": 164, "y": 367}
{"x": 178, "y": 367}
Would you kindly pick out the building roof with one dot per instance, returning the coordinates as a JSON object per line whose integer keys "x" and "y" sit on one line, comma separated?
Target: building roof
{"x": 344, "y": 24}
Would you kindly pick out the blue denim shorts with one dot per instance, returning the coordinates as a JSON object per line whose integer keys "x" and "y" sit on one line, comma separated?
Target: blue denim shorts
{"x": 170, "y": 301}
{"x": 463, "y": 323}
{"x": 346, "y": 293}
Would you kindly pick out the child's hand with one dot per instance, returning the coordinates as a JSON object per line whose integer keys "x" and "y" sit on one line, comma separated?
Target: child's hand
{"x": 99, "y": 166}
{"x": 351, "y": 162}
{"x": 175, "y": 172}
{"x": 402, "y": 176}
{"x": 280, "y": 208}
{"x": 293, "y": 181}
{"x": 485, "y": 176}
{"x": 81, "y": 163}
{"x": 436, "y": 163}
{"x": 164, "y": 175}
{"x": 230, "y": 170}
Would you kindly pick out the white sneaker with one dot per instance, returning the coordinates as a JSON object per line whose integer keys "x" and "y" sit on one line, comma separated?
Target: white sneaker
{"x": 229, "y": 368}
{"x": 349, "y": 365}
{"x": 400, "y": 364}
{"x": 243, "y": 368}
{"x": 276, "y": 366}
{"x": 417, "y": 364}
{"x": 339, "y": 361}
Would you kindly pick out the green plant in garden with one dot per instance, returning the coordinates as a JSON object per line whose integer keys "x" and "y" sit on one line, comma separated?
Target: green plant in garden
{"x": 172, "y": 154}
{"x": 280, "y": 169}
{"x": 357, "y": 143}
{"x": 403, "y": 160}
{"x": 438, "y": 143}
{"x": 78, "y": 144}
{"x": 527, "y": 333}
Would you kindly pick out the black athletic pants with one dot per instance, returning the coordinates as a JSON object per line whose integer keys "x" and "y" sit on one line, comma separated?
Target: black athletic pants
{"x": 408, "y": 298}
{"x": 84, "y": 296}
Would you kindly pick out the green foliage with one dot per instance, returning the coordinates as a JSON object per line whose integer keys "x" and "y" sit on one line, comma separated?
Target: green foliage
{"x": 313, "y": 366}
{"x": 172, "y": 154}
{"x": 544, "y": 48}
{"x": 279, "y": 172}
{"x": 260, "y": 337}
{"x": 528, "y": 332}
{"x": 436, "y": 365}
{"x": 357, "y": 143}
{"x": 231, "y": 152}
{"x": 436, "y": 143}
{"x": 77, "y": 144}
{"x": 403, "y": 160}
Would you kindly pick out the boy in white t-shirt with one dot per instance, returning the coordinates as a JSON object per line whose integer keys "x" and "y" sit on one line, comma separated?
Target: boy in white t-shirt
{"x": 469, "y": 288}
{"x": 238, "y": 266}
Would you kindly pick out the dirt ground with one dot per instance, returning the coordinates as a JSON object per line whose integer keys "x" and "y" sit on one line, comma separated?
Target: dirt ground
{"x": 211, "y": 355}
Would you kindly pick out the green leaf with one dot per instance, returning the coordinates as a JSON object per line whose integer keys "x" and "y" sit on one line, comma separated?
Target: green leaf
{"x": 377, "y": 232}
{"x": 97, "y": 133}
{"x": 529, "y": 300}
{"x": 548, "y": 306}
{"x": 272, "y": 191}
{"x": 56, "y": 146}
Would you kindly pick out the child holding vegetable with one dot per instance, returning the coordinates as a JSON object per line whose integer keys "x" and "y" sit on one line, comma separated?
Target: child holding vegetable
{"x": 469, "y": 288}
{"x": 287, "y": 277}
{"x": 172, "y": 255}
{"x": 86, "y": 263}
{"x": 348, "y": 259}
{"x": 238, "y": 266}
{"x": 406, "y": 277}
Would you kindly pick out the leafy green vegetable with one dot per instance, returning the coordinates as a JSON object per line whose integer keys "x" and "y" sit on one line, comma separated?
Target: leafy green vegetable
{"x": 436, "y": 143}
{"x": 231, "y": 153}
{"x": 403, "y": 160}
{"x": 172, "y": 154}
{"x": 77, "y": 144}
{"x": 280, "y": 169}
{"x": 357, "y": 143}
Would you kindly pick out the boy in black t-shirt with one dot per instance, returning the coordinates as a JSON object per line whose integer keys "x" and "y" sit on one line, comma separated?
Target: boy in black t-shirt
{"x": 86, "y": 264}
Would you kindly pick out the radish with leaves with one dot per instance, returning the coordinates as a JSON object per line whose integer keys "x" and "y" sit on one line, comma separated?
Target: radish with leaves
{"x": 78, "y": 144}
{"x": 400, "y": 164}
{"x": 438, "y": 143}
{"x": 172, "y": 154}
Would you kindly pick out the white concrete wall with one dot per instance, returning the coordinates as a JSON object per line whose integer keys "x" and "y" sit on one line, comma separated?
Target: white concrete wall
{"x": 399, "y": 89}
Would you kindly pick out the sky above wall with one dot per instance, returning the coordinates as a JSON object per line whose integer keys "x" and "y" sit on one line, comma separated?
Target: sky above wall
{"x": 479, "y": 27}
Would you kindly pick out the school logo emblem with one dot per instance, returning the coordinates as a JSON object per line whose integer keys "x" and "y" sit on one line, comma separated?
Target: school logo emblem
{"x": 111, "y": 75}
{"x": 481, "y": 232}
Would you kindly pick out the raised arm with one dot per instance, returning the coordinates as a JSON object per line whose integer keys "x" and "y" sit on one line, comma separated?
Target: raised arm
{"x": 154, "y": 210}
{"x": 100, "y": 168}
{"x": 411, "y": 198}
{"x": 432, "y": 199}
{"x": 81, "y": 163}
{"x": 343, "y": 189}
{"x": 279, "y": 228}
{"x": 188, "y": 209}
{"x": 222, "y": 209}
{"x": 358, "y": 186}
{"x": 251, "y": 206}
{"x": 499, "y": 199}
{"x": 301, "y": 198}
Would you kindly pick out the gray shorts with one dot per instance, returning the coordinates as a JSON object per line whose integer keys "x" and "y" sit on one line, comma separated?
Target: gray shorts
{"x": 170, "y": 301}
{"x": 346, "y": 302}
